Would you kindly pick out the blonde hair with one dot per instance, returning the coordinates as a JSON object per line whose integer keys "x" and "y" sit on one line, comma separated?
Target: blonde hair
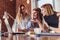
{"x": 48, "y": 8}
{"x": 18, "y": 16}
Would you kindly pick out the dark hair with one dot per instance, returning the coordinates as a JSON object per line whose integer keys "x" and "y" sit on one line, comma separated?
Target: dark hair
{"x": 38, "y": 10}
{"x": 21, "y": 6}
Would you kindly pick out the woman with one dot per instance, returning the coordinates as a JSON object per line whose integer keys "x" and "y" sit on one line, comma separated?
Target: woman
{"x": 22, "y": 19}
{"x": 36, "y": 21}
{"x": 51, "y": 17}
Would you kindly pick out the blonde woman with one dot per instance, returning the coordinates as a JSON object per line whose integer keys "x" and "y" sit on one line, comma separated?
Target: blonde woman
{"x": 22, "y": 19}
{"x": 51, "y": 17}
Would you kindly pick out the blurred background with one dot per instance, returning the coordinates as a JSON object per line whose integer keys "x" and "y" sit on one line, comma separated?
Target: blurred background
{"x": 11, "y": 6}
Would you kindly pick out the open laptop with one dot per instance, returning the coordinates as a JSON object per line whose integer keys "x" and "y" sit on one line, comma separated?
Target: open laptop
{"x": 10, "y": 29}
{"x": 5, "y": 17}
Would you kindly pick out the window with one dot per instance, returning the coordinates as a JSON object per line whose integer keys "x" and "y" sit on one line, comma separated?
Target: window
{"x": 41, "y": 2}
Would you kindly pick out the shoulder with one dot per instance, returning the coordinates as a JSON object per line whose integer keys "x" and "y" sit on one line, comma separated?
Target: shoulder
{"x": 58, "y": 13}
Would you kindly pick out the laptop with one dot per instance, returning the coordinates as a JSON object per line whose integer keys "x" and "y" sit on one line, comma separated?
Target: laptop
{"x": 10, "y": 29}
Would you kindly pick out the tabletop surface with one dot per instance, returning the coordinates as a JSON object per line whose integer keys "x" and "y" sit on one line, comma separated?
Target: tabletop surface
{"x": 23, "y": 36}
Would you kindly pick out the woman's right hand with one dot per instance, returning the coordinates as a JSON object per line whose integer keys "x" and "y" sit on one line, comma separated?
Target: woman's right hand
{"x": 46, "y": 29}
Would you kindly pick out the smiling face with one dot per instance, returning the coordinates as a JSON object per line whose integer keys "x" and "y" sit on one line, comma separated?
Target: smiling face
{"x": 47, "y": 9}
{"x": 23, "y": 9}
{"x": 35, "y": 14}
{"x": 43, "y": 11}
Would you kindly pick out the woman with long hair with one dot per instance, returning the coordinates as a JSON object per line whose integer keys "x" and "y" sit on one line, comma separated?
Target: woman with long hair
{"x": 36, "y": 21}
{"x": 51, "y": 17}
{"x": 22, "y": 18}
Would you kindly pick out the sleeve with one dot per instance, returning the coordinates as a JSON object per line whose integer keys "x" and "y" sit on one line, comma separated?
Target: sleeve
{"x": 28, "y": 25}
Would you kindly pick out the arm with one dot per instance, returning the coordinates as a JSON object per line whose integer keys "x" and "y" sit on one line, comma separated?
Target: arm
{"x": 28, "y": 25}
{"x": 41, "y": 26}
{"x": 52, "y": 28}
{"x": 45, "y": 25}
{"x": 57, "y": 29}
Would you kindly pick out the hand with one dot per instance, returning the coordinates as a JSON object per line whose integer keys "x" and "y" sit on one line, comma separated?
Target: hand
{"x": 35, "y": 21}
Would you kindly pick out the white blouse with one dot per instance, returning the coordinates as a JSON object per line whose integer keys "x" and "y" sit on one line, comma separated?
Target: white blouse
{"x": 22, "y": 25}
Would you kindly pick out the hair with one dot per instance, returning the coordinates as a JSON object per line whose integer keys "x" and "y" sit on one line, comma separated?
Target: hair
{"x": 48, "y": 8}
{"x": 38, "y": 10}
{"x": 19, "y": 15}
{"x": 22, "y": 5}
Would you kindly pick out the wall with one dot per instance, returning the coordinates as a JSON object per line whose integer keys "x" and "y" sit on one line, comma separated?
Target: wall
{"x": 57, "y": 5}
{"x": 41, "y": 2}
{"x": 28, "y": 6}
{"x": 10, "y": 7}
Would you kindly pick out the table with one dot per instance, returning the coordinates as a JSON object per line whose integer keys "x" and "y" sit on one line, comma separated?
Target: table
{"x": 27, "y": 37}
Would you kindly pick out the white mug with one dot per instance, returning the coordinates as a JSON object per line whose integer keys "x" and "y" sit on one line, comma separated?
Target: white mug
{"x": 37, "y": 30}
